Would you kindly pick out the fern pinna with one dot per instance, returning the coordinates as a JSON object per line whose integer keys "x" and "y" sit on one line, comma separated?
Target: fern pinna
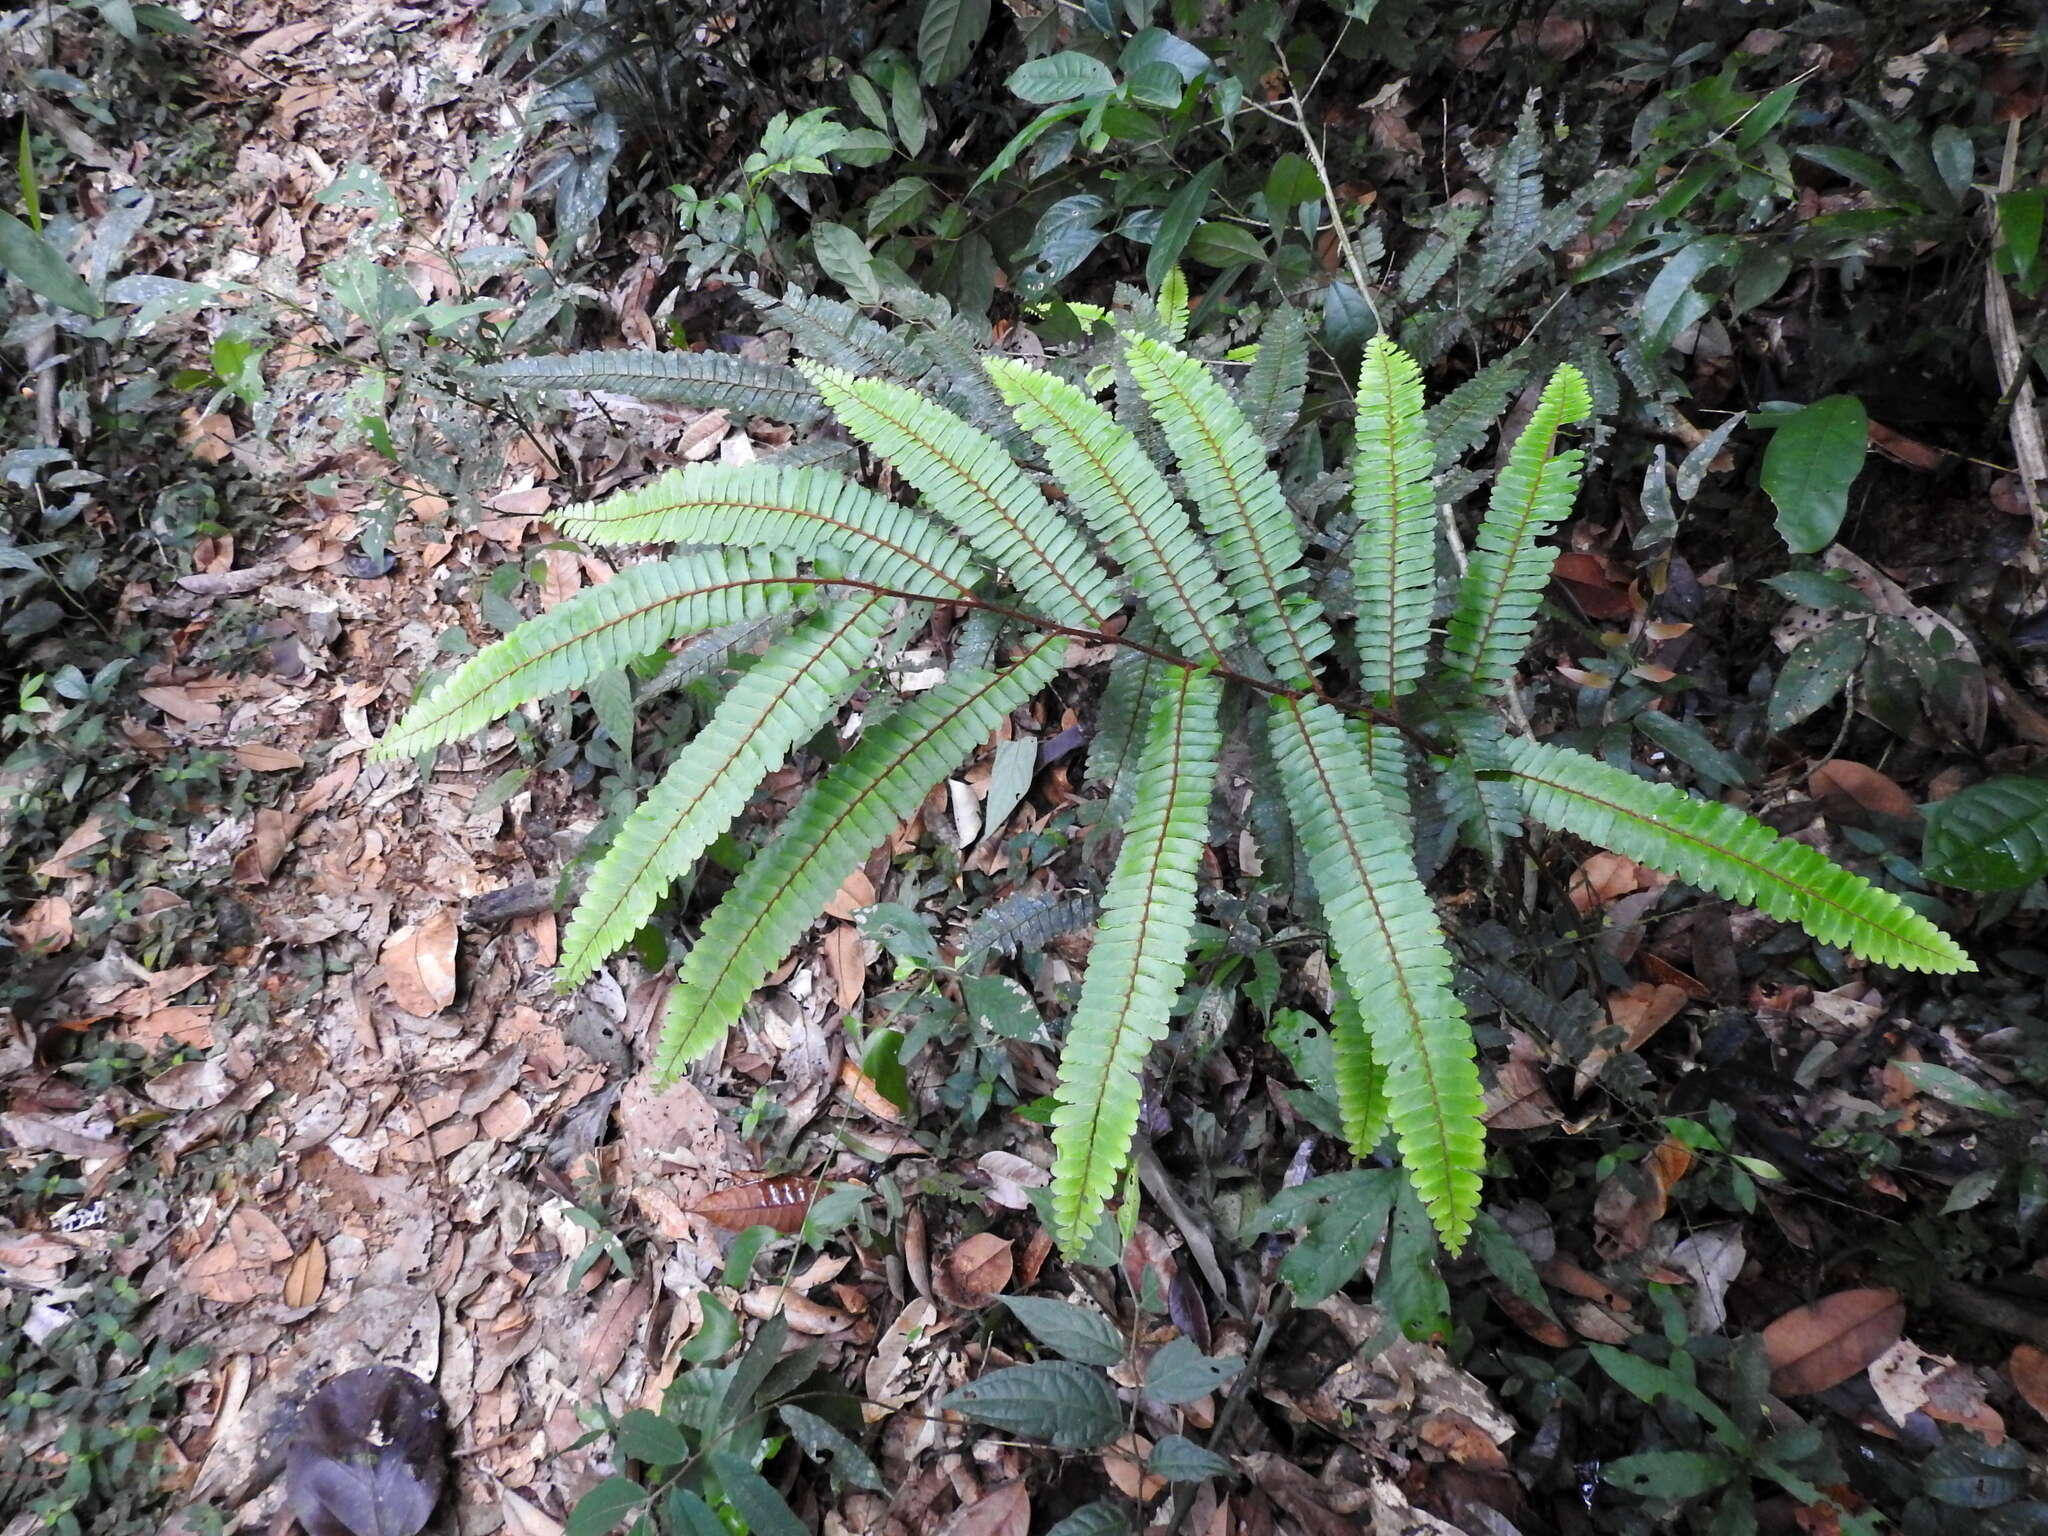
{"x": 1227, "y": 604}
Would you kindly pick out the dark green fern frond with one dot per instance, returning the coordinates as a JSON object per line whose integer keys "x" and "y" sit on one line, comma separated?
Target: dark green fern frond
{"x": 870, "y": 792}
{"x": 713, "y": 380}
{"x": 781, "y": 702}
{"x": 1721, "y": 849}
{"x": 1278, "y": 377}
{"x": 1120, "y": 717}
{"x": 1127, "y": 502}
{"x": 599, "y": 628}
{"x": 811, "y": 513}
{"x": 1496, "y": 609}
{"x": 1385, "y": 936}
{"x": 834, "y": 332}
{"x": 1393, "y": 553}
{"x": 1223, "y": 464}
{"x": 1139, "y": 955}
{"x": 973, "y": 483}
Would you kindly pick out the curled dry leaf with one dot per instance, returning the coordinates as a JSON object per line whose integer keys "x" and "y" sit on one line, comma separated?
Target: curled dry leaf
{"x": 778, "y": 1203}
{"x": 1815, "y": 1347}
{"x": 419, "y": 965}
{"x": 977, "y": 1271}
{"x": 368, "y": 1456}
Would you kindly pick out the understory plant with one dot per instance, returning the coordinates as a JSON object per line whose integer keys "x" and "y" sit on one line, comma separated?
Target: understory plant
{"x": 1226, "y": 626}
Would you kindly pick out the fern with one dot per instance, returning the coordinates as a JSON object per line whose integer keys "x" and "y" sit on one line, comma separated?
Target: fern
{"x": 709, "y": 379}
{"x": 599, "y": 628}
{"x": 1496, "y": 608}
{"x": 1393, "y": 552}
{"x": 1386, "y": 938}
{"x": 823, "y": 573}
{"x": 781, "y": 701}
{"x": 1278, "y": 378}
{"x": 1723, "y": 850}
{"x": 969, "y": 477}
{"x": 1223, "y": 464}
{"x": 1139, "y": 955}
{"x": 854, "y": 807}
{"x": 806, "y": 511}
{"x": 1128, "y": 504}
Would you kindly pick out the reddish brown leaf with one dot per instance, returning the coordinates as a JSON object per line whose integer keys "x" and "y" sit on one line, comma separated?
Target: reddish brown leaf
{"x": 1901, "y": 449}
{"x": 1838, "y": 779}
{"x": 779, "y": 1203}
{"x": 977, "y": 1271}
{"x": 2028, "y": 1369}
{"x": 419, "y": 965}
{"x": 1815, "y": 1347}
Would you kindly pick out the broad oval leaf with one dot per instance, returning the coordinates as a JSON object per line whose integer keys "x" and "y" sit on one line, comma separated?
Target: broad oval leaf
{"x": 1990, "y": 837}
{"x": 947, "y": 35}
{"x": 1074, "y": 1331}
{"x": 35, "y": 261}
{"x": 1670, "y": 1474}
{"x": 368, "y": 1456}
{"x": 1179, "y": 1460}
{"x": 599, "y": 1511}
{"x": 1822, "y": 1345}
{"x": 1181, "y": 1373}
{"x": 1066, "y": 1404}
{"x": 1813, "y": 457}
{"x": 650, "y": 1438}
{"x": 1815, "y": 672}
{"x": 1061, "y": 77}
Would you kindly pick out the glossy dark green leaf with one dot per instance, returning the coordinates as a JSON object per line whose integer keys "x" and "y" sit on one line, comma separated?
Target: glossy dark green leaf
{"x": 1291, "y": 181}
{"x": 822, "y": 1439}
{"x": 689, "y": 1515}
{"x": 1075, "y": 1332}
{"x": 1102, "y": 1518}
{"x": 1216, "y": 244}
{"x": 1813, "y": 457}
{"x": 1990, "y": 837}
{"x": 947, "y": 35}
{"x": 1670, "y": 1474}
{"x": 1815, "y": 672}
{"x": 35, "y": 261}
{"x": 753, "y": 1498}
{"x": 1344, "y": 1214}
{"x": 1951, "y": 1087}
{"x": 720, "y": 1332}
{"x": 1181, "y": 1373}
{"x": 1061, "y": 77}
{"x": 1973, "y": 1475}
{"x": 649, "y": 1437}
{"x": 1065, "y": 1404}
{"x": 1408, "y": 1284}
{"x": 600, "y": 1510}
{"x": 1182, "y": 214}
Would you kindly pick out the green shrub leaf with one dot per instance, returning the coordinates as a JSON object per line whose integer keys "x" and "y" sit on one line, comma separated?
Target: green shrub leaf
{"x": 1990, "y": 837}
{"x": 1068, "y": 1405}
{"x": 1814, "y": 455}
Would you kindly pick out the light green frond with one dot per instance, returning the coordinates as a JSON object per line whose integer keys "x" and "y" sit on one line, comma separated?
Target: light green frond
{"x": 1721, "y": 849}
{"x": 854, "y": 807}
{"x": 627, "y": 618}
{"x": 782, "y": 700}
{"x": 1386, "y": 758}
{"x": 1504, "y": 581}
{"x": 714, "y": 380}
{"x": 809, "y": 512}
{"x": 1278, "y": 377}
{"x": 1393, "y": 553}
{"x": 1120, "y": 718}
{"x": 973, "y": 483}
{"x": 1223, "y": 465}
{"x": 1127, "y": 502}
{"x": 1140, "y": 953}
{"x": 1385, "y": 936}
{"x": 1361, "y": 1081}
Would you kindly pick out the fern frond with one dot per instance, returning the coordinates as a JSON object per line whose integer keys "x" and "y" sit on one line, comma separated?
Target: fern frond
{"x": 713, "y": 380}
{"x": 1025, "y": 920}
{"x": 1223, "y": 465}
{"x": 1120, "y": 717}
{"x": 1278, "y": 377}
{"x": 1516, "y": 218}
{"x": 808, "y": 512}
{"x": 1385, "y": 755}
{"x": 1496, "y": 609}
{"x": 1721, "y": 849}
{"x": 599, "y": 628}
{"x": 1393, "y": 553}
{"x": 1361, "y": 1081}
{"x": 855, "y": 806}
{"x": 1385, "y": 936}
{"x": 976, "y": 486}
{"x": 837, "y": 333}
{"x": 1461, "y": 419}
{"x": 1139, "y": 955}
{"x": 1127, "y": 502}
{"x": 1428, "y": 266}
{"x": 781, "y": 701}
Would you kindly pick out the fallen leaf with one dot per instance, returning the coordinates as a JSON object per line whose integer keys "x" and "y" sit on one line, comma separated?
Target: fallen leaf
{"x": 87, "y": 834}
{"x": 1640, "y": 1010}
{"x": 186, "y": 1025}
{"x": 778, "y": 1203}
{"x": 191, "y": 1085}
{"x": 368, "y": 1455}
{"x": 2028, "y": 1368}
{"x": 1822, "y": 1345}
{"x": 259, "y": 758}
{"x": 1627, "y": 1205}
{"x": 804, "y": 1315}
{"x": 45, "y": 927}
{"x": 206, "y": 438}
{"x": 419, "y": 965}
{"x": 307, "y": 1277}
{"x": 843, "y": 955}
{"x": 1603, "y": 878}
{"x": 1838, "y": 780}
{"x": 272, "y": 840}
{"x": 977, "y": 1271}
{"x": 1901, "y": 449}
{"x": 1004, "y": 1511}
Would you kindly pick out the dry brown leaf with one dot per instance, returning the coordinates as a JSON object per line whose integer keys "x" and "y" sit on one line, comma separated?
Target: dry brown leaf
{"x": 1460, "y": 1439}
{"x": 87, "y": 834}
{"x": 977, "y": 1271}
{"x": 1901, "y": 449}
{"x": 1003, "y": 1511}
{"x": 2028, "y": 1368}
{"x": 260, "y": 758}
{"x": 564, "y": 578}
{"x": 45, "y": 927}
{"x": 206, "y": 438}
{"x": 190, "y": 1085}
{"x": 1627, "y": 1206}
{"x": 1640, "y": 1010}
{"x": 1839, "y": 779}
{"x": 1519, "y": 1098}
{"x": 856, "y": 892}
{"x": 272, "y": 840}
{"x": 1815, "y": 1347}
{"x": 778, "y": 1203}
{"x": 804, "y": 1315}
{"x": 1603, "y": 878}
{"x": 35, "y": 1259}
{"x": 307, "y": 1277}
{"x": 188, "y": 1026}
{"x": 849, "y": 969}
{"x": 862, "y": 1090}
{"x": 419, "y": 965}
